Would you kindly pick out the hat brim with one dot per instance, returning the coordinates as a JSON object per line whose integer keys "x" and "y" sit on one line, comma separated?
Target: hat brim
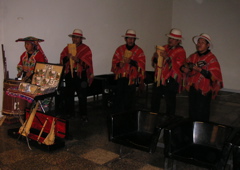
{"x": 30, "y": 39}
{"x": 195, "y": 40}
{"x": 70, "y": 35}
{"x": 129, "y": 37}
{"x": 177, "y": 38}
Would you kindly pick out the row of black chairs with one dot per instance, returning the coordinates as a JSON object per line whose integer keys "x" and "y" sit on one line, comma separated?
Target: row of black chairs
{"x": 204, "y": 144}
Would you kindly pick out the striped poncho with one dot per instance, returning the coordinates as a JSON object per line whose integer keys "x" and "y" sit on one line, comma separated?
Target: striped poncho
{"x": 196, "y": 79}
{"x": 171, "y": 66}
{"x": 84, "y": 53}
{"x": 129, "y": 71}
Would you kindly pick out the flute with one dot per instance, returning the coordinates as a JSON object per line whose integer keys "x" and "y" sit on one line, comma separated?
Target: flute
{"x": 159, "y": 49}
{"x": 72, "y": 49}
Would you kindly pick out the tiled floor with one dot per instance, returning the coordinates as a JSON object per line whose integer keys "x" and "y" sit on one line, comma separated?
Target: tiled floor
{"x": 91, "y": 149}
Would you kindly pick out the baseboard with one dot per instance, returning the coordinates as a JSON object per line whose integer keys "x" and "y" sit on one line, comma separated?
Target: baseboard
{"x": 230, "y": 90}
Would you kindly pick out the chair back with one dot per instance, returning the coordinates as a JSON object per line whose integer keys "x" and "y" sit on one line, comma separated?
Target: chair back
{"x": 147, "y": 122}
{"x": 123, "y": 123}
{"x": 210, "y": 134}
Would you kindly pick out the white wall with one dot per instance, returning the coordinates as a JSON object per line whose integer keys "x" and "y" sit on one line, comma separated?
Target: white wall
{"x": 219, "y": 19}
{"x": 103, "y": 23}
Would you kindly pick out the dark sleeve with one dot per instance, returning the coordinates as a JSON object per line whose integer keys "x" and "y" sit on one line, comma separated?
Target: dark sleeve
{"x": 206, "y": 74}
{"x": 181, "y": 68}
{"x": 65, "y": 60}
{"x": 155, "y": 60}
{"x": 168, "y": 60}
{"x": 133, "y": 63}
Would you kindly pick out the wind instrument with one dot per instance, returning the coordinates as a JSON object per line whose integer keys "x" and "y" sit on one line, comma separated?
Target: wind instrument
{"x": 127, "y": 55}
{"x": 25, "y": 128}
{"x": 49, "y": 140}
{"x": 159, "y": 49}
{"x": 72, "y": 49}
{"x": 6, "y": 74}
{"x": 2, "y": 119}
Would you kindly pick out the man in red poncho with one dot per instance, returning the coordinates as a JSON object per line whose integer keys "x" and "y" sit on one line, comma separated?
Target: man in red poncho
{"x": 28, "y": 59}
{"x": 79, "y": 76}
{"x": 128, "y": 65}
{"x": 204, "y": 78}
{"x": 171, "y": 78}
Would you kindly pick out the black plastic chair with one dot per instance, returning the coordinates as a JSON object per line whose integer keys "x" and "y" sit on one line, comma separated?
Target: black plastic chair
{"x": 204, "y": 144}
{"x": 138, "y": 129}
{"x": 236, "y": 151}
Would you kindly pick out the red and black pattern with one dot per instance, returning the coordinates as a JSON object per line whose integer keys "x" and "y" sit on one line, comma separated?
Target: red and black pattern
{"x": 171, "y": 65}
{"x": 28, "y": 64}
{"x": 85, "y": 55}
{"x": 196, "y": 79}
{"x": 127, "y": 70}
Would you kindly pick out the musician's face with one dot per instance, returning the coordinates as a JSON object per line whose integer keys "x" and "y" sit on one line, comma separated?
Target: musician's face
{"x": 29, "y": 47}
{"x": 130, "y": 41}
{"x": 173, "y": 42}
{"x": 77, "y": 40}
{"x": 202, "y": 45}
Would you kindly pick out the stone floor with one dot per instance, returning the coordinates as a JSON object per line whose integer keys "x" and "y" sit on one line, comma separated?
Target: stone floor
{"x": 90, "y": 147}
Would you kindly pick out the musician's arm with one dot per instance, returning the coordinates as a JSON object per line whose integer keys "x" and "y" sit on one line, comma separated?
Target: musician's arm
{"x": 65, "y": 59}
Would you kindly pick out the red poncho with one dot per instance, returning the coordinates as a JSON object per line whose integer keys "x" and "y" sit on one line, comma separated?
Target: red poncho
{"x": 171, "y": 66}
{"x": 84, "y": 53}
{"x": 199, "y": 82}
{"x": 127, "y": 70}
{"x": 28, "y": 64}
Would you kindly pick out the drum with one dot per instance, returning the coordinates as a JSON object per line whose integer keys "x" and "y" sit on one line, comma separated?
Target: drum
{"x": 12, "y": 105}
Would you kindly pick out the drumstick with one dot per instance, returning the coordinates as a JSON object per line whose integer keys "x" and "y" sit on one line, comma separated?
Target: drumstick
{"x": 40, "y": 134}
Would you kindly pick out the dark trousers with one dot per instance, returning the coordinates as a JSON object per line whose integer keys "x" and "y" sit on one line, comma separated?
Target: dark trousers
{"x": 169, "y": 91}
{"x": 80, "y": 86}
{"x": 199, "y": 105}
{"x": 125, "y": 98}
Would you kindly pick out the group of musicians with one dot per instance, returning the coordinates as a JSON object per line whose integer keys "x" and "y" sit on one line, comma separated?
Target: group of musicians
{"x": 200, "y": 73}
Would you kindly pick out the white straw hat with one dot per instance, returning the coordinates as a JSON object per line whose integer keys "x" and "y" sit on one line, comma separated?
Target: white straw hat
{"x": 78, "y": 33}
{"x": 204, "y": 36}
{"x": 130, "y": 33}
{"x": 175, "y": 34}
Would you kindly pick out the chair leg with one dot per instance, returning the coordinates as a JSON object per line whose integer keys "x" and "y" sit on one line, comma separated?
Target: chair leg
{"x": 160, "y": 143}
{"x": 123, "y": 151}
{"x": 169, "y": 164}
{"x": 174, "y": 165}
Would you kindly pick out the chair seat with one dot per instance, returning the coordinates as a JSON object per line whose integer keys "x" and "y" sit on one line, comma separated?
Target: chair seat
{"x": 198, "y": 155}
{"x": 137, "y": 140}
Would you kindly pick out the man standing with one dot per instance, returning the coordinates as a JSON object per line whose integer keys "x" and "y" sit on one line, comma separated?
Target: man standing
{"x": 128, "y": 65}
{"x": 171, "y": 77}
{"x": 78, "y": 75}
{"x": 204, "y": 78}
